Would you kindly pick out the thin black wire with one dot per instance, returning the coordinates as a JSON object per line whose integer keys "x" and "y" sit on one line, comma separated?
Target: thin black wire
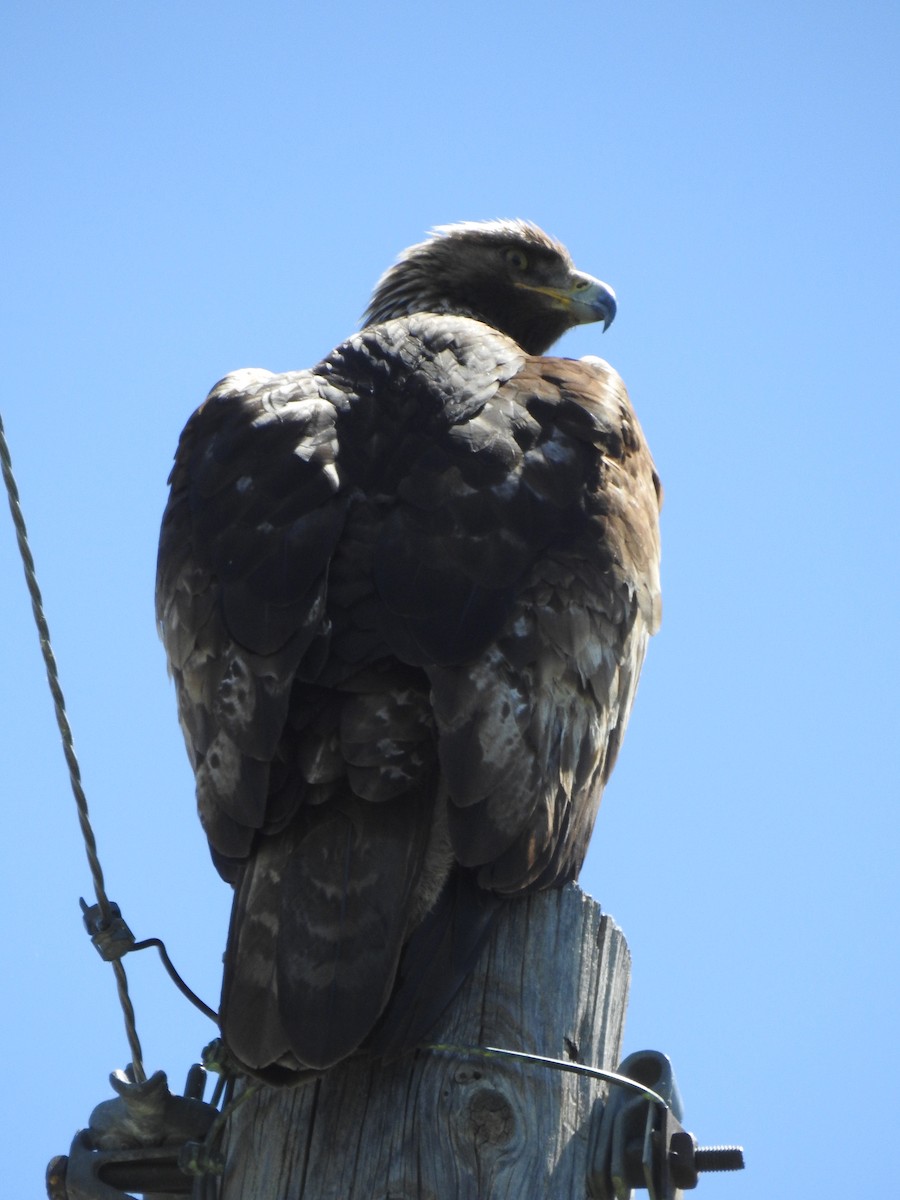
{"x": 159, "y": 945}
{"x": 87, "y": 833}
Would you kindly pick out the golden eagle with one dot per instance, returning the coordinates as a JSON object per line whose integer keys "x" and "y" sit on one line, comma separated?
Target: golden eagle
{"x": 405, "y": 597}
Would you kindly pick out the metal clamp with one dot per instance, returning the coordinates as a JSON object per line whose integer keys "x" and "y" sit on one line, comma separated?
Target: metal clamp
{"x": 110, "y": 934}
{"x": 146, "y": 1141}
{"x": 637, "y": 1141}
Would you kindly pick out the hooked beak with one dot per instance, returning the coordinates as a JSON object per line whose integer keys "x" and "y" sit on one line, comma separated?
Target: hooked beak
{"x": 586, "y": 299}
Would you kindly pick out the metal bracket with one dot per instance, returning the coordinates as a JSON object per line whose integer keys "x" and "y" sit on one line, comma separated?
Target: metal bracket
{"x": 145, "y": 1141}
{"x": 637, "y": 1141}
{"x": 110, "y": 934}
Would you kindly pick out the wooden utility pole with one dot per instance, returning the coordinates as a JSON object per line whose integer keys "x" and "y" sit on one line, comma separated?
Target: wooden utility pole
{"x": 444, "y": 1126}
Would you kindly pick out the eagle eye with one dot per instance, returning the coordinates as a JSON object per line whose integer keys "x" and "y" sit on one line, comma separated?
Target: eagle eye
{"x": 516, "y": 258}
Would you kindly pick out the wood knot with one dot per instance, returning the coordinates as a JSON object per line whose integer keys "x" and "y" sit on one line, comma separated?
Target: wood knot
{"x": 466, "y": 1074}
{"x": 491, "y": 1118}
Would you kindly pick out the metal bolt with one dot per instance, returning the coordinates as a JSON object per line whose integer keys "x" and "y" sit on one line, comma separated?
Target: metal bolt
{"x": 719, "y": 1158}
{"x": 687, "y": 1159}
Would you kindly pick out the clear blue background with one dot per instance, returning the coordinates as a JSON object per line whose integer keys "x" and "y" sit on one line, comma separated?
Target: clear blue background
{"x": 193, "y": 187}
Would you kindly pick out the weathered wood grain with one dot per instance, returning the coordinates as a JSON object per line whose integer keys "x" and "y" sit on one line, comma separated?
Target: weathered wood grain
{"x": 436, "y": 1126}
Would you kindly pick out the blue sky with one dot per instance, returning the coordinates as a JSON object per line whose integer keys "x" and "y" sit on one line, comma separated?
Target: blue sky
{"x": 197, "y": 187}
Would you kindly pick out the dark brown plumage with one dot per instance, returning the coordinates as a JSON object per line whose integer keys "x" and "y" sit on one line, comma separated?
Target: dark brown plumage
{"x": 405, "y": 597}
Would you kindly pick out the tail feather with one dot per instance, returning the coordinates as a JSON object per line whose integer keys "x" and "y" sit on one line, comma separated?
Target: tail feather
{"x": 319, "y": 922}
{"x": 435, "y": 963}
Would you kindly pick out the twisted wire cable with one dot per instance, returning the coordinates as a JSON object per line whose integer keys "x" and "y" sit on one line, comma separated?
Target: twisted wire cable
{"x": 107, "y": 911}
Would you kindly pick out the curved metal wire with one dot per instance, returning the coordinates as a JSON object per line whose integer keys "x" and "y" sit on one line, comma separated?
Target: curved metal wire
{"x": 555, "y": 1064}
{"x": 158, "y": 944}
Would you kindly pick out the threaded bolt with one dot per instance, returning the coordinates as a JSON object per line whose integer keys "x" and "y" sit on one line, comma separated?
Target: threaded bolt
{"x": 687, "y": 1159}
{"x": 719, "y": 1158}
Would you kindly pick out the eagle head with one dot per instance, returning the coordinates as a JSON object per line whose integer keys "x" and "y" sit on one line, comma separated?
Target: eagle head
{"x": 509, "y": 274}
